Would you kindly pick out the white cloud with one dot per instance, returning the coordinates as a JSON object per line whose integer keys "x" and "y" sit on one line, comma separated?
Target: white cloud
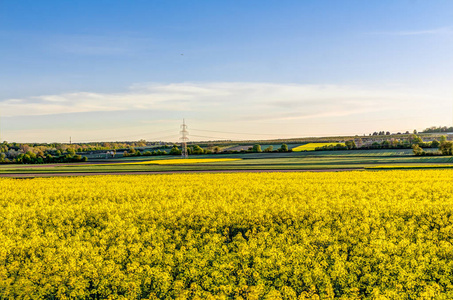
{"x": 243, "y": 100}
{"x": 278, "y": 110}
{"x": 435, "y": 31}
{"x": 98, "y": 44}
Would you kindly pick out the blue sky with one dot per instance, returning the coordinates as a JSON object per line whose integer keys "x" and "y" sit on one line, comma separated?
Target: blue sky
{"x": 125, "y": 70}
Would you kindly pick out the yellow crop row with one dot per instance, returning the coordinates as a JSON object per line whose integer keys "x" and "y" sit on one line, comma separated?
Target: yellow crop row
{"x": 175, "y": 161}
{"x": 187, "y": 161}
{"x": 415, "y": 166}
{"x": 348, "y": 235}
{"x": 313, "y": 146}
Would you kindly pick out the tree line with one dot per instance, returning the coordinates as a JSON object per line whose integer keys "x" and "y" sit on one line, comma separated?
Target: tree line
{"x": 445, "y": 148}
{"x": 197, "y": 150}
{"x": 80, "y": 147}
{"x": 435, "y": 129}
{"x": 191, "y": 150}
{"x": 43, "y": 157}
{"x": 414, "y": 142}
{"x": 432, "y": 129}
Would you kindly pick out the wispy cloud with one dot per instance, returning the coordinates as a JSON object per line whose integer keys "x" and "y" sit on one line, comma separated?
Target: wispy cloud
{"x": 238, "y": 100}
{"x": 96, "y": 45}
{"x": 224, "y": 106}
{"x": 435, "y": 31}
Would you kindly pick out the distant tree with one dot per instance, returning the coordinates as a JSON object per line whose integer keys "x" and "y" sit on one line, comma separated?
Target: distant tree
{"x": 175, "y": 150}
{"x": 417, "y": 150}
{"x": 26, "y": 159}
{"x": 443, "y": 139}
{"x": 256, "y": 148}
{"x": 385, "y": 144}
{"x": 25, "y": 148}
{"x": 446, "y": 148}
{"x": 197, "y": 150}
{"x": 394, "y": 143}
{"x": 216, "y": 149}
{"x": 387, "y": 133}
{"x": 269, "y": 149}
{"x": 435, "y": 144}
{"x": 141, "y": 143}
{"x": 415, "y": 139}
{"x": 284, "y": 148}
{"x": 31, "y": 155}
{"x": 350, "y": 145}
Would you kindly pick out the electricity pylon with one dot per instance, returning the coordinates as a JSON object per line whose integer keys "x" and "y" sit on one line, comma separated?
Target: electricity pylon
{"x": 184, "y": 139}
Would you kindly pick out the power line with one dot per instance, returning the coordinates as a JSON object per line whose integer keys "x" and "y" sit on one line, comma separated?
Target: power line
{"x": 131, "y": 136}
{"x": 274, "y": 134}
{"x": 229, "y": 132}
{"x": 167, "y": 136}
{"x": 210, "y": 137}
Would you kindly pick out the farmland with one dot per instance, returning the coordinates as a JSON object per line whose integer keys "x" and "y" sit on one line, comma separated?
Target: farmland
{"x": 176, "y": 161}
{"x": 313, "y": 146}
{"x": 306, "y": 160}
{"x": 361, "y": 235}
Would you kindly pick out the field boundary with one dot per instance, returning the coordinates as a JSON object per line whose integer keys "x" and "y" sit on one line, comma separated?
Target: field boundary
{"x": 59, "y": 174}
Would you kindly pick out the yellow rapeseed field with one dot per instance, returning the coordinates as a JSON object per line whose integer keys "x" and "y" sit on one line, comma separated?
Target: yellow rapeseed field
{"x": 313, "y": 146}
{"x": 175, "y": 161}
{"x": 348, "y": 235}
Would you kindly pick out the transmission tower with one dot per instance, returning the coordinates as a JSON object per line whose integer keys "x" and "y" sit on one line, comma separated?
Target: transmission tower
{"x": 184, "y": 139}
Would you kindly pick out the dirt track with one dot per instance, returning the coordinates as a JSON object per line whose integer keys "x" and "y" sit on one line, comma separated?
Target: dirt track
{"x": 31, "y": 175}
